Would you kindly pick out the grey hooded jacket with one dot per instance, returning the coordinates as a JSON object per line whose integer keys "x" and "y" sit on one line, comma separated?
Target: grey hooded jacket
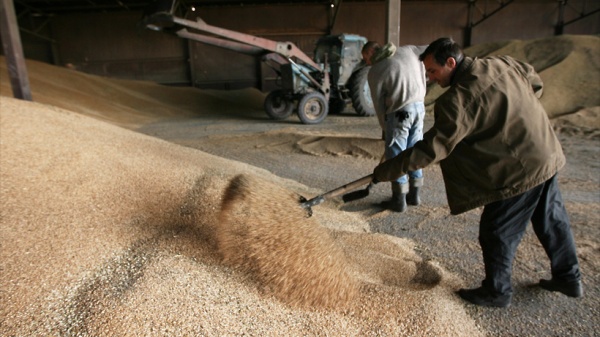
{"x": 396, "y": 79}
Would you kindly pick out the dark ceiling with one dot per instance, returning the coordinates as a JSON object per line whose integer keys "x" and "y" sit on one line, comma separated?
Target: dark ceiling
{"x": 50, "y": 7}
{"x": 77, "y": 6}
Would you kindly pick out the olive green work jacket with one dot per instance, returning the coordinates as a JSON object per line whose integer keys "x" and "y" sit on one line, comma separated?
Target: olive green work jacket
{"x": 491, "y": 135}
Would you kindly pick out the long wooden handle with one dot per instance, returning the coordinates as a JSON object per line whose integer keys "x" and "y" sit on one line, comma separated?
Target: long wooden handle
{"x": 349, "y": 186}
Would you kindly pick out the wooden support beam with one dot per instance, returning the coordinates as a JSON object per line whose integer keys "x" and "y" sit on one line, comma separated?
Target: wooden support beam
{"x": 468, "y": 33}
{"x": 562, "y": 5}
{"x": 392, "y": 33}
{"x": 13, "y": 51}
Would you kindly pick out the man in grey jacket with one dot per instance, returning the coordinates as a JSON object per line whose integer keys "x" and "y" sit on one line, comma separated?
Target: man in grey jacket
{"x": 496, "y": 148}
{"x": 398, "y": 87}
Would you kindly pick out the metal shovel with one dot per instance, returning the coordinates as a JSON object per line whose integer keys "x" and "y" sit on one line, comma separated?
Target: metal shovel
{"x": 341, "y": 190}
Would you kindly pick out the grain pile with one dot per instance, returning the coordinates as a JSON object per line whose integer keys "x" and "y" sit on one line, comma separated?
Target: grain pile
{"x": 106, "y": 232}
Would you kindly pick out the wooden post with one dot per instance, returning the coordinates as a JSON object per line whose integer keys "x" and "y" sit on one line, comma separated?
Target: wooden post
{"x": 13, "y": 50}
{"x": 469, "y": 29}
{"x": 393, "y": 22}
{"x": 560, "y": 25}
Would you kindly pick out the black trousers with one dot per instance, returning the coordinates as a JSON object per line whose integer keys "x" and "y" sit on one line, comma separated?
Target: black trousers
{"x": 503, "y": 224}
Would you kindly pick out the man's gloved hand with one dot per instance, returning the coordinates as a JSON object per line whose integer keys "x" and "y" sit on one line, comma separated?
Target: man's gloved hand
{"x": 386, "y": 171}
{"x": 376, "y": 170}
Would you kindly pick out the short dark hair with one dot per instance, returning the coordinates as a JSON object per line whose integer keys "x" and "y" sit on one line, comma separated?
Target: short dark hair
{"x": 370, "y": 45}
{"x": 442, "y": 49}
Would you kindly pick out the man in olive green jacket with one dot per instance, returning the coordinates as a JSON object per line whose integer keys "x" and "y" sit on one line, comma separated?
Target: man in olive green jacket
{"x": 496, "y": 148}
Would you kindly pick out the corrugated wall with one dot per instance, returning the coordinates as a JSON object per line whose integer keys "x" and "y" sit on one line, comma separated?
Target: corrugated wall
{"x": 112, "y": 44}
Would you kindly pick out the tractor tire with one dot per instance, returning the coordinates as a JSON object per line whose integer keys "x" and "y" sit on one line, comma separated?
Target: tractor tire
{"x": 277, "y": 106}
{"x": 312, "y": 108}
{"x": 361, "y": 94}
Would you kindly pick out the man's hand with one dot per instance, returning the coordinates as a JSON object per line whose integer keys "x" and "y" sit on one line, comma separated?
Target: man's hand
{"x": 386, "y": 171}
{"x": 377, "y": 173}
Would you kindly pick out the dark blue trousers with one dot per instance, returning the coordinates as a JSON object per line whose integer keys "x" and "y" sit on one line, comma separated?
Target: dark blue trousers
{"x": 503, "y": 224}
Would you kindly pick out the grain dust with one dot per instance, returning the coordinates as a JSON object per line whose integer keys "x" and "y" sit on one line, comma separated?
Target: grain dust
{"x": 264, "y": 230}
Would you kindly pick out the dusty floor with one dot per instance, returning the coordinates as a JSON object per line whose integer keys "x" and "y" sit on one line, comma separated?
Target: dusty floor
{"x": 105, "y": 231}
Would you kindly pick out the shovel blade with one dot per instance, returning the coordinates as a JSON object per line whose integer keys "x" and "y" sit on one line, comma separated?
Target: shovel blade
{"x": 357, "y": 194}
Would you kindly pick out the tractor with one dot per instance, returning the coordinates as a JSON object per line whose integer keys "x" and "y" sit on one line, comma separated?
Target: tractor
{"x": 313, "y": 87}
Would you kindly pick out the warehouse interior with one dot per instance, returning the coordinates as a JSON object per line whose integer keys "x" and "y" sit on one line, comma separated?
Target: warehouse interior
{"x": 106, "y": 38}
{"x": 145, "y": 192}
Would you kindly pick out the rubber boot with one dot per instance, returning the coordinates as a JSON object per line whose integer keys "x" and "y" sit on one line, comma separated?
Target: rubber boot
{"x": 398, "y": 201}
{"x": 412, "y": 198}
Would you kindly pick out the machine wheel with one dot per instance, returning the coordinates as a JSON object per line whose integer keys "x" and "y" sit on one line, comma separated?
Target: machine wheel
{"x": 336, "y": 106}
{"x": 312, "y": 108}
{"x": 361, "y": 94}
{"x": 277, "y": 106}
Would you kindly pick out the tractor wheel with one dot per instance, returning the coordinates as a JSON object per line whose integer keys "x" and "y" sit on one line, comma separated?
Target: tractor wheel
{"x": 277, "y": 106}
{"x": 361, "y": 94}
{"x": 336, "y": 106}
{"x": 312, "y": 108}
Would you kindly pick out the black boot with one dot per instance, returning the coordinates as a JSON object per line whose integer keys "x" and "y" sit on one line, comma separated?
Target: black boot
{"x": 396, "y": 204}
{"x": 572, "y": 289}
{"x": 482, "y": 296}
{"x": 398, "y": 201}
{"x": 412, "y": 198}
